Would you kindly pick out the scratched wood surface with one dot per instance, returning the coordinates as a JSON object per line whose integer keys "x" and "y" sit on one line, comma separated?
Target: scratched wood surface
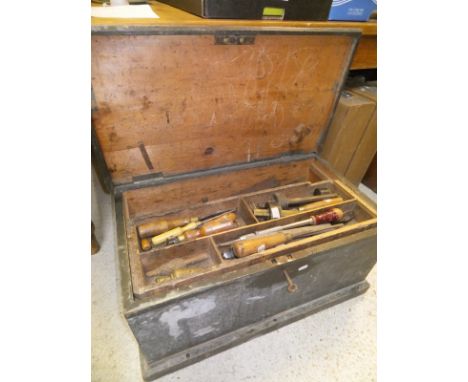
{"x": 366, "y": 52}
{"x": 175, "y": 104}
{"x": 205, "y": 189}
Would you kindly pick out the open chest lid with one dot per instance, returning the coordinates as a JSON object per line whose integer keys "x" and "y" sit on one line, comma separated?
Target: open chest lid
{"x": 171, "y": 101}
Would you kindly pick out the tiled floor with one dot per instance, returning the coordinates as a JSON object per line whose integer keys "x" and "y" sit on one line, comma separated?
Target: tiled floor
{"x": 337, "y": 344}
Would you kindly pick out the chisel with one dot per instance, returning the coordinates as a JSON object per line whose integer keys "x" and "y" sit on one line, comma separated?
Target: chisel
{"x": 178, "y": 231}
{"x": 332, "y": 216}
{"x": 218, "y": 224}
{"x": 286, "y": 202}
{"x": 156, "y": 227}
{"x": 243, "y": 248}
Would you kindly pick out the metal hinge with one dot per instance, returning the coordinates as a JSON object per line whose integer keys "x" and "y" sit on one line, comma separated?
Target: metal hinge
{"x": 224, "y": 39}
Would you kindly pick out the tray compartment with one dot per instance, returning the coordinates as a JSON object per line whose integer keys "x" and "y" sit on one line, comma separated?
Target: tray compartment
{"x": 178, "y": 264}
{"x": 238, "y": 206}
{"x": 183, "y": 194}
{"x": 255, "y": 187}
{"x": 260, "y": 200}
{"x": 348, "y": 207}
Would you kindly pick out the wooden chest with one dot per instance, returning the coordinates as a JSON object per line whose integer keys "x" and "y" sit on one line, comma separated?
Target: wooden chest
{"x": 193, "y": 121}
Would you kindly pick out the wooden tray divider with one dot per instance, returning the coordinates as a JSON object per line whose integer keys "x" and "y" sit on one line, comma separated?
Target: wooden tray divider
{"x": 235, "y": 264}
{"x": 143, "y": 286}
{"x": 244, "y": 205}
{"x": 346, "y": 206}
{"x": 216, "y": 250}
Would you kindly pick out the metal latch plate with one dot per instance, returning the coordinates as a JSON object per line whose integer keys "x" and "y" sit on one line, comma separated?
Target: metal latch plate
{"x": 234, "y": 39}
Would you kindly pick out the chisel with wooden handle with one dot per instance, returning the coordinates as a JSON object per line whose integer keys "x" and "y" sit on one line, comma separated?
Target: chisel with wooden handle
{"x": 158, "y": 226}
{"x": 332, "y": 216}
{"x": 178, "y": 231}
{"x": 322, "y": 203}
{"x": 243, "y": 248}
{"x": 219, "y": 224}
{"x": 286, "y": 202}
{"x": 162, "y": 238}
{"x": 145, "y": 244}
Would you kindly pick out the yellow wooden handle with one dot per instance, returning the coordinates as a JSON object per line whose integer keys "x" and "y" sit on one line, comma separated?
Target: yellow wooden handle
{"x": 159, "y": 226}
{"x": 322, "y": 203}
{"x": 173, "y": 233}
{"x": 222, "y": 223}
{"x": 248, "y": 247}
{"x": 145, "y": 244}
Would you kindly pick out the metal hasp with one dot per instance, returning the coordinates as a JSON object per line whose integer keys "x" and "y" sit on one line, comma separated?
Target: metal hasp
{"x": 234, "y": 39}
{"x": 185, "y": 327}
{"x": 292, "y": 287}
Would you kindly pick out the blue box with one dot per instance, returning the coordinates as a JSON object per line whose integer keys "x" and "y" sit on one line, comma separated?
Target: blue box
{"x": 352, "y": 10}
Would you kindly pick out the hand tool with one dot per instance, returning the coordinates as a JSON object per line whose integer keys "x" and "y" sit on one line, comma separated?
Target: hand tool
{"x": 332, "y": 216}
{"x": 156, "y": 227}
{"x": 218, "y": 224}
{"x": 264, "y": 213}
{"x": 145, "y": 244}
{"x": 248, "y": 247}
{"x": 178, "y": 231}
{"x": 322, "y": 203}
{"x": 275, "y": 210}
{"x": 285, "y": 202}
{"x": 321, "y": 191}
{"x": 184, "y": 272}
{"x": 177, "y": 263}
{"x": 178, "y": 273}
{"x": 162, "y": 279}
{"x": 261, "y": 213}
{"x": 159, "y": 226}
{"x": 163, "y": 237}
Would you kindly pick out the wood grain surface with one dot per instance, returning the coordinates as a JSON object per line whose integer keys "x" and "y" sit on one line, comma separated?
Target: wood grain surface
{"x": 350, "y": 121}
{"x": 367, "y": 147}
{"x": 370, "y": 177}
{"x": 365, "y": 57}
{"x": 173, "y": 104}
{"x": 205, "y": 189}
{"x": 366, "y": 53}
{"x": 364, "y": 153}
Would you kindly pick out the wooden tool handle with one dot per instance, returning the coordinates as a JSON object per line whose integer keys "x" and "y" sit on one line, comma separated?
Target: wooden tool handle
{"x": 248, "y": 247}
{"x": 332, "y": 216}
{"x": 219, "y": 224}
{"x": 173, "y": 233}
{"x": 156, "y": 227}
{"x": 184, "y": 272}
{"x": 322, "y": 203}
{"x": 146, "y": 244}
{"x": 189, "y": 235}
{"x": 309, "y": 199}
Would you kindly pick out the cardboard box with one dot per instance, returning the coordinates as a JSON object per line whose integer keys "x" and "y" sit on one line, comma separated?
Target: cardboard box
{"x": 352, "y": 10}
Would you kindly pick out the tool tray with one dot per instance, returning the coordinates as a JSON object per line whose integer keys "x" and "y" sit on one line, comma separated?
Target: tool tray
{"x": 144, "y": 261}
{"x": 192, "y": 121}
